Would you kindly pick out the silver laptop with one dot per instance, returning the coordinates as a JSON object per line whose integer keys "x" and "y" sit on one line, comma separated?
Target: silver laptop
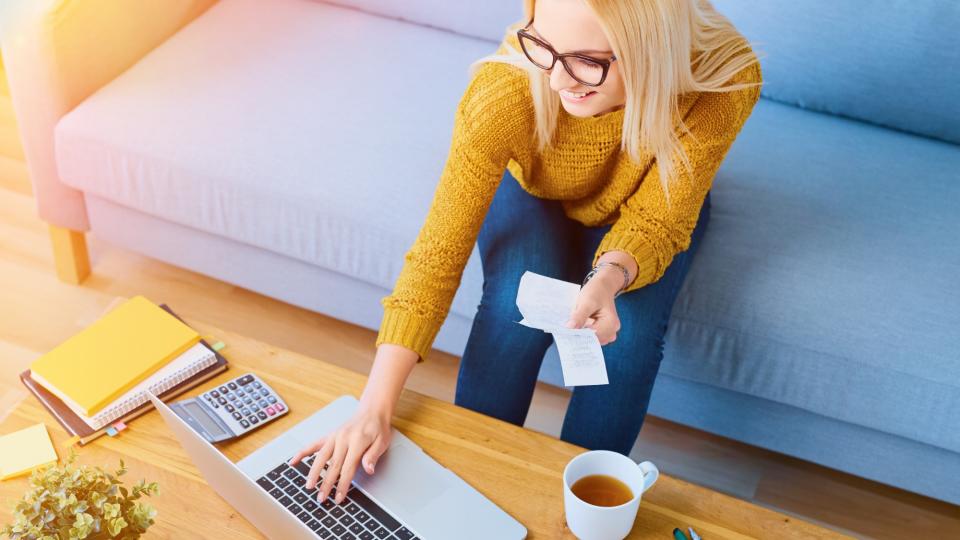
{"x": 410, "y": 495}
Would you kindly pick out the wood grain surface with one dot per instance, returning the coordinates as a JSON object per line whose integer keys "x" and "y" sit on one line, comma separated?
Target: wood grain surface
{"x": 518, "y": 469}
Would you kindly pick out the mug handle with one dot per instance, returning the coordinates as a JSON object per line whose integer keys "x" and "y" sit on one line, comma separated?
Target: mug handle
{"x": 650, "y": 474}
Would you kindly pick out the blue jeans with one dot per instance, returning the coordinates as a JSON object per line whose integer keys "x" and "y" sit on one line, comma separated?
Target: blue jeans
{"x": 501, "y": 361}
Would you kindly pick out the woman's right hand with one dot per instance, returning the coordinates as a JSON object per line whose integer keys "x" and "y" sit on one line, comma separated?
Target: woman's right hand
{"x": 366, "y": 435}
{"x": 360, "y": 440}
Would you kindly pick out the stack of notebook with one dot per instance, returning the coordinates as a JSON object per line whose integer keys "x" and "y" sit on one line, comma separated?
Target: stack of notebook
{"x": 98, "y": 377}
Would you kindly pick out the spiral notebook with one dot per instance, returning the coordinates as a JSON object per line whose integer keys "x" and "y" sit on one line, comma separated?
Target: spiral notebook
{"x": 75, "y": 425}
{"x": 106, "y": 359}
{"x": 188, "y": 364}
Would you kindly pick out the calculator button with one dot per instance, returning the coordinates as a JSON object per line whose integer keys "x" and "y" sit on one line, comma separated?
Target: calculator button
{"x": 229, "y": 408}
{"x": 214, "y": 405}
{"x": 278, "y": 407}
{"x": 222, "y": 401}
{"x": 215, "y": 394}
{"x": 264, "y": 392}
{"x": 246, "y": 379}
{"x": 245, "y": 411}
{"x": 244, "y": 423}
{"x": 246, "y": 400}
{"x": 241, "y": 393}
{"x": 237, "y": 416}
{"x": 262, "y": 415}
{"x": 253, "y": 419}
{"x": 256, "y": 384}
{"x": 232, "y": 397}
{"x": 263, "y": 403}
{"x": 223, "y": 389}
{"x": 254, "y": 407}
{"x": 232, "y": 385}
{"x": 271, "y": 399}
{"x": 270, "y": 411}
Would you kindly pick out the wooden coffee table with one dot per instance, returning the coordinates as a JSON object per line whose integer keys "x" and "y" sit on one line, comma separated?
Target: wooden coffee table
{"x": 518, "y": 469}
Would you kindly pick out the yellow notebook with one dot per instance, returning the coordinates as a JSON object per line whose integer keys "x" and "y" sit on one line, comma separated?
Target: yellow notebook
{"x": 112, "y": 355}
{"x": 25, "y": 450}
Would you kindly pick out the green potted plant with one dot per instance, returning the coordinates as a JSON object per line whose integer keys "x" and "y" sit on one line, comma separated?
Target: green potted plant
{"x": 72, "y": 503}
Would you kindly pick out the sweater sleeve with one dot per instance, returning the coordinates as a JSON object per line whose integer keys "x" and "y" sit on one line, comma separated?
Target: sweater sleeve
{"x": 486, "y": 123}
{"x": 646, "y": 228}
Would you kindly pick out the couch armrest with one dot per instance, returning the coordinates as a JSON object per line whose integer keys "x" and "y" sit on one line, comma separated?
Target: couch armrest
{"x": 59, "y": 52}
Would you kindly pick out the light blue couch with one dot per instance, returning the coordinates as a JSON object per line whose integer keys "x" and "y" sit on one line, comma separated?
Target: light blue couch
{"x": 293, "y": 149}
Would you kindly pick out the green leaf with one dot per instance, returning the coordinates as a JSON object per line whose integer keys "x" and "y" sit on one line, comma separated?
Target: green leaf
{"x": 115, "y": 526}
{"x": 80, "y": 502}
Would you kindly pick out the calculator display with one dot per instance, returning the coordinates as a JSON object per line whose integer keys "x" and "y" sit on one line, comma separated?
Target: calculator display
{"x": 201, "y": 416}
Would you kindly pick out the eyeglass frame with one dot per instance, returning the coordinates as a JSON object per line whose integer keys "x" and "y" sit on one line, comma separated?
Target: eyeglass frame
{"x": 604, "y": 63}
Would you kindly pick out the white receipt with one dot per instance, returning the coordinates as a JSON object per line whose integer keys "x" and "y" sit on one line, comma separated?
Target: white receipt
{"x": 546, "y": 304}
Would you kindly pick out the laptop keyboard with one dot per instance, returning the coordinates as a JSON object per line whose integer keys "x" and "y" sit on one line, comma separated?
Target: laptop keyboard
{"x": 356, "y": 518}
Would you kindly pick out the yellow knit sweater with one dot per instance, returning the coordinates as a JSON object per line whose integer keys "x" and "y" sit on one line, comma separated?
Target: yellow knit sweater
{"x": 585, "y": 169}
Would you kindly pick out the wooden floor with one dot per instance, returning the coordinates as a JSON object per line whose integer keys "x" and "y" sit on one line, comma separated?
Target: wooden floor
{"x": 39, "y": 312}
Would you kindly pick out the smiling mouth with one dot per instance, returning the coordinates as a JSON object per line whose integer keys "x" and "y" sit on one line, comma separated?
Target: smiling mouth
{"x": 572, "y": 96}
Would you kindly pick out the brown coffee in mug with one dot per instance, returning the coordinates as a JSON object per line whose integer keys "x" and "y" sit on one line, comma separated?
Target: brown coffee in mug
{"x": 602, "y": 490}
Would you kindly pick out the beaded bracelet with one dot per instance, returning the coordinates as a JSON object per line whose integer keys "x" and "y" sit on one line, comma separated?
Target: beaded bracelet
{"x": 626, "y": 275}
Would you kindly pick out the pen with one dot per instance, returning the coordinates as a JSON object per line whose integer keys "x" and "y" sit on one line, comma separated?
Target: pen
{"x": 678, "y": 535}
{"x": 693, "y": 534}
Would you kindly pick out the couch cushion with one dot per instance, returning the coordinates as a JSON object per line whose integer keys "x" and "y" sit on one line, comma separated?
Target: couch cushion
{"x": 890, "y": 63}
{"x": 486, "y": 20}
{"x": 827, "y": 278}
{"x": 293, "y": 128}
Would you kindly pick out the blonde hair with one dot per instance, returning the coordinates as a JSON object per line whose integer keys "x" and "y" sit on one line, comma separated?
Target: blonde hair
{"x": 657, "y": 43}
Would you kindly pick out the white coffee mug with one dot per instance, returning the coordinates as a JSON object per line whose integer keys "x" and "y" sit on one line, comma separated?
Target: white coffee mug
{"x": 591, "y": 522}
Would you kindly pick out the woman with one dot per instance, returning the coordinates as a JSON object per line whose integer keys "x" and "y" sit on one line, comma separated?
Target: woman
{"x": 612, "y": 182}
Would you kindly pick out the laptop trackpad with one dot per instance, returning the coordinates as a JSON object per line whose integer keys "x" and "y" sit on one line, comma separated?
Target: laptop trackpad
{"x": 405, "y": 480}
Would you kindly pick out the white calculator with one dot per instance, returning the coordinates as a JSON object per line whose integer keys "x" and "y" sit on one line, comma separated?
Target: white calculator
{"x": 231, "y": 410}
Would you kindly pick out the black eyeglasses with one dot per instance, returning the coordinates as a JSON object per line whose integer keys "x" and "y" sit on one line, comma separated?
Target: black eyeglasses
{"x": 584, "y": 69}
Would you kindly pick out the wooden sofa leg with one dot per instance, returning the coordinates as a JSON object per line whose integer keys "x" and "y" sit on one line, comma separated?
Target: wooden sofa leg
{"x": 70, "y": 254}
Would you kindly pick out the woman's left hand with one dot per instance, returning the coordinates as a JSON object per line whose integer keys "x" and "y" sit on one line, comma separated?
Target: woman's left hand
{"x": 595, "y": 306}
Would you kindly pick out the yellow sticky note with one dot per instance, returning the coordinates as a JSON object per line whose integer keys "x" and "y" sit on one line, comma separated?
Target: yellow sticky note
{"x": 25, "y": 450}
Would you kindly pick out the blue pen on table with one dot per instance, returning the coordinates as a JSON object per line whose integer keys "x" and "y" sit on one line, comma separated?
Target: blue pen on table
{"x": 678, "y": 534}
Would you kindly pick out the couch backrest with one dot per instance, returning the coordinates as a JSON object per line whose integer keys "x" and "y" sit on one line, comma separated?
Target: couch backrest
{"x": 485, "y": 19}
{"x": 891, "y": 62}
